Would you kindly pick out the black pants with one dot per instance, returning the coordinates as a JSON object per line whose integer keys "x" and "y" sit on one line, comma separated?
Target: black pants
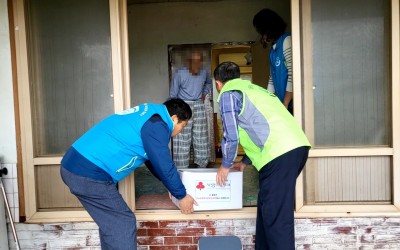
{"x": 275, "y": 207}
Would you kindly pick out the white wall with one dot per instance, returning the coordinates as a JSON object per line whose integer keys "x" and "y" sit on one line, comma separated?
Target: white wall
{"x": 152, "y": 27}
{"x": 8, "y": 152}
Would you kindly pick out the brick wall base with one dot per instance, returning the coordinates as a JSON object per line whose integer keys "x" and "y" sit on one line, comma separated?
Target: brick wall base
{"x": 321, "y": 233}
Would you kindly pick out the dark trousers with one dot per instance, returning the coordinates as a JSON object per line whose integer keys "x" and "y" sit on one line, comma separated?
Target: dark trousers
{"x": 116, "y": 221}
{"x": 275, "y": 207}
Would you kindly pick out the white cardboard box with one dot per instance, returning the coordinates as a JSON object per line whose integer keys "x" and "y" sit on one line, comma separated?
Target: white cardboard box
{"x": 201, "y": 185}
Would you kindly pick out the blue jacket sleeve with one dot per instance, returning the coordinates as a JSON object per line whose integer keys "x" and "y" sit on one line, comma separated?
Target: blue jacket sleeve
{"x": 151, "y": 168}
{"x": 155, "y": 137}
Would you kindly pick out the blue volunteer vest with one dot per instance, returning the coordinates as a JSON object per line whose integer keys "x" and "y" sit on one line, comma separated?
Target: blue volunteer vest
{"x": 115, "y": 144}
{"x": 279, "y": 71}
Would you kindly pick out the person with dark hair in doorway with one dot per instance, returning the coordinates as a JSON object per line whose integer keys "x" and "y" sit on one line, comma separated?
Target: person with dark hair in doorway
{"x": 113, "y": 149}
{"x": 272, "y": 29}
{"x": 274, "y": 144}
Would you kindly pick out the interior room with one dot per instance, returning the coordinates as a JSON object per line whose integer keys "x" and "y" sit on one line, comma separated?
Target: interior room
{"x": 156, "y": 37}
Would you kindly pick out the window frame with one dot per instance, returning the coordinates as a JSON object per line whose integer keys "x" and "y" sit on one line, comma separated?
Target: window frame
{"x": 301, "y": 14}
{"x": 120, "y": 63}
{"x": 121, "y": 94}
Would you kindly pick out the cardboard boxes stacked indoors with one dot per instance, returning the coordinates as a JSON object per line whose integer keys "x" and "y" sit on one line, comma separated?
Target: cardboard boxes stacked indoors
{"x": 201, "y": 185}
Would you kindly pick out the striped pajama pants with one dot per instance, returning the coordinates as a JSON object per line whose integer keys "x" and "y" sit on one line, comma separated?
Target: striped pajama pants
{"x": 196, "y": 133}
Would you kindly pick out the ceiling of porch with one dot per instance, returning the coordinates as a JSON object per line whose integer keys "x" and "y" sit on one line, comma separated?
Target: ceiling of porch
{"x": 130, "y": 2}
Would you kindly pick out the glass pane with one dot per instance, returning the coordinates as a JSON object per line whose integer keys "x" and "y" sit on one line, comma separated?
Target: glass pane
{"x": 348, "y": 180}
{"x": 52, "y": 193}
{"x": 351, "y": 72}
{"x": 250, "y": 186}
{"x": 70, "y": 70}
{"x": 150, "y": 193}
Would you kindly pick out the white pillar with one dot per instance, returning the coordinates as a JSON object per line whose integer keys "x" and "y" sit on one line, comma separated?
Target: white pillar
{"x": 8, "y": 150}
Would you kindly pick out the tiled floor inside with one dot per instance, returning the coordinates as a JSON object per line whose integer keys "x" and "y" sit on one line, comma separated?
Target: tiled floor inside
{"x": 151, "y": 193}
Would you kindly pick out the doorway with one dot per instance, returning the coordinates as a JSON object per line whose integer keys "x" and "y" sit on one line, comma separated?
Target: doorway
{"x": 176, "y": 60}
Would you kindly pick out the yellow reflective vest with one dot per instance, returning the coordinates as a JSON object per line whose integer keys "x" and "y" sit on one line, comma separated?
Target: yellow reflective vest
{"x": 266, "y": 129}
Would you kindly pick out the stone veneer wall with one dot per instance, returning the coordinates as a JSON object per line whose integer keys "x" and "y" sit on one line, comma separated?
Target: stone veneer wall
{"x": 10, "y": 183}
{"x": 312, "y": 233}
{"x": 322, "y": 233}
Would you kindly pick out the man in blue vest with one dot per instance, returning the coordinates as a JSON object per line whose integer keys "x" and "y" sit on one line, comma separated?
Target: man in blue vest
{"x": 113, "y": 149}
{"x": 274, "y": 144}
